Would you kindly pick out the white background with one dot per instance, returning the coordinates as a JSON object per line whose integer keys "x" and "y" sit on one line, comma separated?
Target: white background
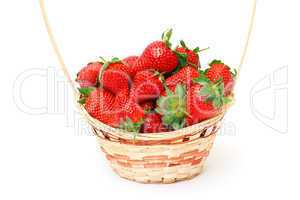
{"x": 44, "y": 156}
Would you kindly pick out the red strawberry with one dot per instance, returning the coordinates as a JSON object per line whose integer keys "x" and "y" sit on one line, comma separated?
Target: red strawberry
{"x": 158, "y": 55}
{"x": 134, "y": 112}
{"x": 184, "y": 76}
{"x": 119, "y": 66}
{"x": 218, "y": 70}
{"x": 189, "y": 56}
{"x": 130, "y": 60}
{"x": 87, "y": 76}
{"x": 114, "y": 80}
{"x": 113, "y": 76}
{"x": 198, "y": 108}
{"x": 153, "y": 124}
{"x": 99, "y": 104}
{"x": 206, "y": 99}
{"x": 121, "y": 99}
{"x": 131, "y": 117}
{"x": 141, "y": 64}
{"x": 146, "y": 86}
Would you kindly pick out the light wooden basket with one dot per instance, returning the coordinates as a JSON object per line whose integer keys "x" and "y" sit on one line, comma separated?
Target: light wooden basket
{"x": 156, "y": 157}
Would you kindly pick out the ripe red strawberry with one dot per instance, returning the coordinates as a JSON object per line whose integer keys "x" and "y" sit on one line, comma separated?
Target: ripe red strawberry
{"x": 131, "y": 117}
{"x": 153, "y": 124}
{"x": 146, "y": 86}
{"x": 158, "y": 55}
{"x": 191, "y": 56}
{"x": 205, "y": 99}
{"x": 198, "y": 107}
{"x": 130, "y": 60}
{"x": 134, "y": 112}
{"x": 141, "y": 64}
{"x": 114, "y": 76}
{"x": 218, "y": 70}
{"x": 87, "y": 77}
{"x": 184, "y": 76}
{"x": 116, "y": 64}
{"x": 114, "y": 80}
{"x": 119, "y": 106}
{"x": 99, "y": 104}
{"x": 119, "y": 66}
{"x": 121, "y": 99}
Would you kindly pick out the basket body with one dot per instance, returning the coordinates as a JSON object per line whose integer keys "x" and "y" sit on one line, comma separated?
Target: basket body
{"x": 157, "y": 163}
{"x": 159, "y": 157}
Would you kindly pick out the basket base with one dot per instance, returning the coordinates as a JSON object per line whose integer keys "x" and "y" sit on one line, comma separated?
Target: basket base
{"x": 161, "y": 180}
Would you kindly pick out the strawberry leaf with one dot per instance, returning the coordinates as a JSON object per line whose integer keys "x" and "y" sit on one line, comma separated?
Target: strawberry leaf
{"x": 102, "y": 59}
{"x": 180, "y": 91}
{"x": 115, "y": 60}
{"x": 85, "y": 91}
{"x": 217, "y": 102}
{"x": 227, "y": 100}
{"x": 130, "y": 126}
{"x": 202, "y": 80}
{"x": 166, "y": 37}
{"x": 196, "y": 50}
{"x": 182, "y": 43}
{"x": 234, "y": 73}
{"x": 215, "y": 62}
{"x": 182, "y": 59}
{"x": 212, "y": 92}
{"x": 205, "y": 91}
{"x": 82, "y": 101}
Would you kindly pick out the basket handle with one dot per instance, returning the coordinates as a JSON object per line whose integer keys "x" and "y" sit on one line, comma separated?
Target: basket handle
{"x": 66, "y": 72}
{"x": 250, "y": 28}
{"x": 55, "y": 48}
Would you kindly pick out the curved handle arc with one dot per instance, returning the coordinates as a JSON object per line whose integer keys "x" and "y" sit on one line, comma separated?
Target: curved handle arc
{"x": 66, "y": 72}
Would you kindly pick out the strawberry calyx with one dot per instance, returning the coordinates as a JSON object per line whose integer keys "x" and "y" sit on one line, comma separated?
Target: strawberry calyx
{"x": 172, "y": 107}
{"x": 195, "y": 50}
{"x": 213, "y": 92}
{"x": 234, "y": 73}
{"x": 215, "y": 61}
{"x": 130, "y": 126}
{"x": 85, "y": 92}
{"x": 166, "y": 36}
{"x": 182, "y": 43}
{"x": 182, "y": 59}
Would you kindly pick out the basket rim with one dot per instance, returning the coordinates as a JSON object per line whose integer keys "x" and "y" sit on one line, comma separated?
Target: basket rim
{"x": 147, "y": 136}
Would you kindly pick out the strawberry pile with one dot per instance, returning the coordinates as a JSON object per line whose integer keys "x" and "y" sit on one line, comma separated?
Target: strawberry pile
{"x": 161, "y": 90}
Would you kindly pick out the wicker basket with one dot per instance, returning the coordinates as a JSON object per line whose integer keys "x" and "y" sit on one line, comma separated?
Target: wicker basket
{"x": 156, "y": 157}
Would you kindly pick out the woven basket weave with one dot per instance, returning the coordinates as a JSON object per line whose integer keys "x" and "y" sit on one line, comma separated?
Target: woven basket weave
{"x": 156, "y": 157}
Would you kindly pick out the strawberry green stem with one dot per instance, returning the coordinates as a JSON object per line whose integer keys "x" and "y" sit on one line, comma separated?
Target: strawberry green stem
{"x": 204, "y": 49}
{"x": 103, "y": 68}
{"x": 166, "y": 37}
